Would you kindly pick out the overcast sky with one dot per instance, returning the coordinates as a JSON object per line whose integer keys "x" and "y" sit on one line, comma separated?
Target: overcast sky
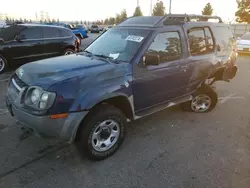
{"x": 100, "y": 9}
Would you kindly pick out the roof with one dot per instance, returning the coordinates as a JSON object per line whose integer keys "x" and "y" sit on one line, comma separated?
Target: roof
{"x": 169, "y": 19}
{"x": 40, "y": 25}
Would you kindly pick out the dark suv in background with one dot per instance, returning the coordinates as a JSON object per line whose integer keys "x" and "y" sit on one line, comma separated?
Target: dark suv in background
{"x": 23, "y": 43}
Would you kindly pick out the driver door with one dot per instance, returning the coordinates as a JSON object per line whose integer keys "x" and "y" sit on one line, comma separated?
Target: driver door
{"x": 156, "y": 84}
{"x": 29, "y": 47}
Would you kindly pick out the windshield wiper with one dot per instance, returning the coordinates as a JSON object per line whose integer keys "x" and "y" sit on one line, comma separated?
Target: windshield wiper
{"x": 88, "y": 52}
{"x": 105, "y": 57}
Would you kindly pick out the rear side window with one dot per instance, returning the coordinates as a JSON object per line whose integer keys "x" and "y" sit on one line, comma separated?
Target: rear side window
{"x": 50, "y": 32}
{"x": 167, "y": 46}
{"x": 31, "y": 33}
{"x": 197, "y": 41}
{"x": 200, "y": 41}
{"x": 64, "y": 33}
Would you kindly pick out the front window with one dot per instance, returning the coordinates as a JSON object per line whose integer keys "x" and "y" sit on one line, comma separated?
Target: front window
{"x": 9, "y": 33}
{"x": 119, "y": 44}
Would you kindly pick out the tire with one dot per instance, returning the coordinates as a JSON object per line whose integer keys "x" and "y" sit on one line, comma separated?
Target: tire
{"x": 69, "y": 51}
{"x": 3, "y": 64}
{"x": 205, "y": 94}
{"x": 106, "y": 115}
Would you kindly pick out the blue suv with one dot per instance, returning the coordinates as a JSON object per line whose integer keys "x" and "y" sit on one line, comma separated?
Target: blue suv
{"x": 141, "y": 66}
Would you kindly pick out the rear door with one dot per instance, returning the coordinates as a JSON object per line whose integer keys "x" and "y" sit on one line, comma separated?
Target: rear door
{"x": 156, "y": 84}
{"x": 51, "y": 41}
{"x": 202, "y": 54}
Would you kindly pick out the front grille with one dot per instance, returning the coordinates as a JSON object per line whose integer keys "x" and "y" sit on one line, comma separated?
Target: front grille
{"x": 15, "y": 86}
{"x": 18, "y": 81}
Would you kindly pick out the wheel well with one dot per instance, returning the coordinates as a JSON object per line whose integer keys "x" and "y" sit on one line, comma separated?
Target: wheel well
{"x": 70, "y": 47}
{"x": 120, "y": 102}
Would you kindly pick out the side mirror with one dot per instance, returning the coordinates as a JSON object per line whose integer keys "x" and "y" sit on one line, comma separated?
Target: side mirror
{"x": 151, "y": 59}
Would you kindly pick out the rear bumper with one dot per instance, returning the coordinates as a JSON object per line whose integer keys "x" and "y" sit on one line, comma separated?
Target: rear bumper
{"x": 64, "y": 129}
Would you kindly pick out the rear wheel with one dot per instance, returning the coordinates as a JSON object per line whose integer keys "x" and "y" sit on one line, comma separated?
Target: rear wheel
{"x": 3, "y": 64}
{"x": 204, "y": 100}
{"x": 68, "y": 51}
{"x": 102, "y": 133}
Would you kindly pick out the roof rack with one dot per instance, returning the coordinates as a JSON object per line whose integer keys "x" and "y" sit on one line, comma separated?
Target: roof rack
{"x": 182, "y": 18}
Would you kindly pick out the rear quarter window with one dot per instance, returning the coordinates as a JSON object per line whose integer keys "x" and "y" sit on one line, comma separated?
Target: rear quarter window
{"x": 65, "y": 33}
{"x": 50, "y": 32}
{"x": 224, "y": 37}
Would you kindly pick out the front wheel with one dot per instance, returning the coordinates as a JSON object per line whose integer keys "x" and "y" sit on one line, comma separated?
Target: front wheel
{"x": 204, "y": 100}
{"x": 102, "y": 133}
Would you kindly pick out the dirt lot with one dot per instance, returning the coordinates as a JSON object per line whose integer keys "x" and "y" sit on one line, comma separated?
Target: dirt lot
{"x": 168, "y": 149}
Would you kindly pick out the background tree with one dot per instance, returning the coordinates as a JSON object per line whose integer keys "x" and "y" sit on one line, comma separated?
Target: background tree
{"x": 207, "y": 10}
{"x": 106, "y": 21}
{"x": 117, "y": 18}
{"x": 138, "y": 11}
{"x": 58, "y": 21}
{"x": 7, "y": 20}
{"x": 159, "y": 9}
{"x": 243, "y": 13}
{"x": 30, "y": 21}
{"x": 112, "y": 21}
{"x": 123, "y": 15}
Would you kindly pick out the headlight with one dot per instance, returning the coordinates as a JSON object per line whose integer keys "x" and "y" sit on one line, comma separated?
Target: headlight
{"x": 39, "y": 99}
{"x": 35, "y": 95}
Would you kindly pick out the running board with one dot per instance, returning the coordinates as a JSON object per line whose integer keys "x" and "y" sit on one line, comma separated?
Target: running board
{"x": 162, "y": 106}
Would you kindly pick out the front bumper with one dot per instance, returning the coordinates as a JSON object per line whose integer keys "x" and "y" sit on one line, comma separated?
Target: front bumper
{"x": 64, "y": 129}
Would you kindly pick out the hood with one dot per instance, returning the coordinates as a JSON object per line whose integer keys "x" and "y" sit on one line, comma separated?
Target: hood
{"x": 244, "y": 42}
{"x": 46, "y": 72}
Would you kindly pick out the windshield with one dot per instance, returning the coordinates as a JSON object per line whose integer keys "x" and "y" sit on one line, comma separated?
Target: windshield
{"x": 246, "y": 36}
{"x": 9, "y": 33}
{"x": 119, "y": 43}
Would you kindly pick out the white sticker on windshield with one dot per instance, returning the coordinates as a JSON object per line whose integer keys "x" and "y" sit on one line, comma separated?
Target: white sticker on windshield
{"x": 114, "y": 56}
{"x": 134, "y": 38}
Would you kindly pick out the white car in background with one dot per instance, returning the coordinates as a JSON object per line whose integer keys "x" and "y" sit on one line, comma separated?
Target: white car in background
{"x": 243, "y": 43}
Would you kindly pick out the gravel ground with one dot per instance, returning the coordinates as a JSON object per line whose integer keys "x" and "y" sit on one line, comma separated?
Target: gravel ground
{"x": 168, "y": 149}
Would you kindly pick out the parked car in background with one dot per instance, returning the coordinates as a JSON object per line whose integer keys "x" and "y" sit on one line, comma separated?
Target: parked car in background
{"x": 94, "y": 29}
{"x": 142, "y": 66}
{"x": 108, "y": 27}
{"x": 243, "y": 43}
{"x": 80, "y": 32}
{"x": 23, "y": 43}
